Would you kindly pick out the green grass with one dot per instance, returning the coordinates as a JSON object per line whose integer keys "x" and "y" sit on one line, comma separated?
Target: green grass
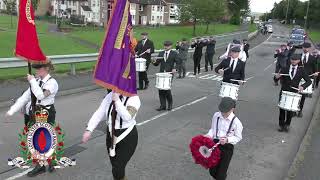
{"x": 50, "y": 43}
{"x": 252, "y": 27}
{"x": 158, "y": 35}
{"x": 14, "y": 73}
{"x": 315, "y": 35}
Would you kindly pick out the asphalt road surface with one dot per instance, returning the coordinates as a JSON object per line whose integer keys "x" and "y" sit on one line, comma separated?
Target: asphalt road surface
{"x": 163, "y": 148}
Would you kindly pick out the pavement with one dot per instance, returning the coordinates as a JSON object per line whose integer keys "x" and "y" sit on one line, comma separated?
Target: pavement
{"x": 163, "y": 152}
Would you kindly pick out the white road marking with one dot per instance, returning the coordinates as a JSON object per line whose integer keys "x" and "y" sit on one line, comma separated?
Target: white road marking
{"x": 173, "y": 110}
{"x": 268, "y": 67}
{"x": 219, "y": 78}
{"x": 249, "y": 78}
{"x": 208, "y": 76}
{"x": 19, "y": 175}
{"x": 260, "y": 44}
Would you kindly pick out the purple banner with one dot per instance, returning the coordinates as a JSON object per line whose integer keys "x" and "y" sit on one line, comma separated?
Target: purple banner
{"x": 115, "y": 68}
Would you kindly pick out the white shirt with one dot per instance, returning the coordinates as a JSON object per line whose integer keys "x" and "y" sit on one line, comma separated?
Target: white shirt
{"x": 166, "y": 53}
{"x": 102, "y": 112}
{"x": 305, "y": 55}
{"x": 234, "y": 64}
{"x": 49, "y": 84}
{"x": 144, "y": 42}
{"x": 235, "y": 134}
{"x": 295, "y": 71}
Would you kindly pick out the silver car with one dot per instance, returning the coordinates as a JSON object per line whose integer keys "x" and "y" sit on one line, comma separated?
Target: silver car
{"x": 297, "y": 40}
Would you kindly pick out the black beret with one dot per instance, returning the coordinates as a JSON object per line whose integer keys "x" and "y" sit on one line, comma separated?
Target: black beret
{"x": 296, "y": 57}
{"x": 226, "y": 104}
{"x": 235, "y": 41}
{"x": 306, "y": 45}
{"x": 235, "y": 49}
{"x": 167, "y": 43}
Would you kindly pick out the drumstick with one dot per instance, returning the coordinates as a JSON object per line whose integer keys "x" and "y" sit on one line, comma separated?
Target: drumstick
{"x": 143, "y": 53}
{"x": 295, "y": 88}
{"x": 237, "y": 80}
{"x": 281, "y": 74}
{"x": 226, "y": 68}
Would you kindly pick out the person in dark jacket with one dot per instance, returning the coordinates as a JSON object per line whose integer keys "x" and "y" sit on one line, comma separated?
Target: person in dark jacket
{"x": 291, "y": 49}
{"x": 144, "y": 49}
{"x": 246, "y": 47}
{"x": 167, "y": 60}
{"x": 296, "y": 73}
{"x": 210, "y": 51}
{"x": 183, "y": 47}
{"x": 282, "y": 56}
{"x": 316, "y": 54}
{"x": 198, "y": 44}
{"x": 232, "y": 68}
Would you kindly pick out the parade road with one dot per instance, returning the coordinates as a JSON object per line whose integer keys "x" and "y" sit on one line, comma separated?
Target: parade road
{"x": 163, "y": 149}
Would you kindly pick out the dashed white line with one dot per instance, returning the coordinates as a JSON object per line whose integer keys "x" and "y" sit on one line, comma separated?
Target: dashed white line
{"x": 19, "y": 175}
{"x": 268, "y": 67}
{"x": 173, "y": 110}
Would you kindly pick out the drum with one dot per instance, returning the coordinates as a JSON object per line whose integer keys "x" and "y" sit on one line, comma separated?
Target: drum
{"x": 290, "y": 101}
{"x": 141, "y": 64}
{"x": 163, "y": 81}
{"x": 309, "y": 89}
{"x": 229, "y": 90}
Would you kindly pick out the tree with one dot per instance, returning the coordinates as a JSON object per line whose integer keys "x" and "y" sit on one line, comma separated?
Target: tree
{"x": 238, "y": 8}
{"x": 212, "y": 10}
{"x": 11, "y": 9}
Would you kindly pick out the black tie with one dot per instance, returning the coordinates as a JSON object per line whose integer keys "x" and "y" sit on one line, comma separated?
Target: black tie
{"x": 40, "y": 83}
{"x": 292, "y": 71}
{"x": 232, "y": 65}
{"x": 166, "y": 55}
{"x": 305, "y": 59}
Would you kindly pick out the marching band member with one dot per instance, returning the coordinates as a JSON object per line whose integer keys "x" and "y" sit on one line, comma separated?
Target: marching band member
{"x": 40, "y": 95}
{"x": 282, "y": 56}
{"x": 226, "y": 129}
{"x": 232, "y": 67}
{"x": 210, "y": 51}
{"x": 144, "y": 49}
{"x": 295, "y": 74}
{"x": 316, "y": 54}
{"x": 167, "y": 60}
{"x": 123, "y": 110}
{"x": 246, "y": 47}
{"x": 198, "y": 45}
{"x": 291, "y": 49}
{"x": 183, "y": 47}
{"x": 310, "y": 67}
{"x": 228, "y": 52}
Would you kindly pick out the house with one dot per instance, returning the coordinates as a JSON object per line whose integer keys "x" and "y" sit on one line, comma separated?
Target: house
{"x": 2, "y": 5}
{"x": 173, "y": 12}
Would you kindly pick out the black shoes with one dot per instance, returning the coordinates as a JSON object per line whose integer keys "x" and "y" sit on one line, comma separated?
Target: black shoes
{"x": 36, "y": 171}
{"x": 161, "y": 109}
{"x": 281, "y": 129}
{"x": 169, "y": 107}
{"x": 139, "y": 89}
{"x": 147, "y": 86}
{"x": 284, "y": 128}
{"x": 300, "y": 114}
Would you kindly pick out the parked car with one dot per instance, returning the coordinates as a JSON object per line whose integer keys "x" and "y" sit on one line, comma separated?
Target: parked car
{"x": 297, "y": 40}
{"x": 270, "y": 21}
{"x": 269, "y": 28}
{"x": 299, "y": 31}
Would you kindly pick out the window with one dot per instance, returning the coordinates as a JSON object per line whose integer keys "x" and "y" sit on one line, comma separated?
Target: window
{"x": 152, "y": 18}
{"x": 157, "y": 17}
{"x": 158, "y": 8}
{"x": 73, "y": 3}
{"x": 74, "y": 11}
{"x": 172, "y": 7}
{"x": 161, "y": 18}
{"x": 140, "y": 8}
{"x": 153, "y": 8}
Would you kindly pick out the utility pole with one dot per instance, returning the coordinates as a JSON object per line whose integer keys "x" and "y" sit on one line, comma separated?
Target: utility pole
{"x": 306, "y": 18}
{"x": 287, "y": 11}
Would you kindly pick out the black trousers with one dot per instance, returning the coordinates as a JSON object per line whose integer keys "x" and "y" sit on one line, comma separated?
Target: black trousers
{"x": 143, "y": 77}
{"x": 208, "y": 60}
{"x": 303, "y": 99}
{"x": 285, "y": 117}
{"x": 196, "y": 63}
{"x": 164, "y": 96}
{"x": 182, "y": 68}
{"x": 220, "y": 171}
{"x": 317, "y": 81}
{"x": 124, "y": 151}
{"x": 51, "y": 117}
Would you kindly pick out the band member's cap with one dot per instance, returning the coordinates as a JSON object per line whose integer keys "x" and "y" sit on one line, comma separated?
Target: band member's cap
{"x": 144, "y": 33}
{"x": 38, "y": 66}
{"x": 296, "y": 57}
{"x": 226, "y": 104}
{"x": 306, "y": 45}
{"x": 235, "y": 41}
{"x": 235, "y": 49}
{"x": 167, "y": 43}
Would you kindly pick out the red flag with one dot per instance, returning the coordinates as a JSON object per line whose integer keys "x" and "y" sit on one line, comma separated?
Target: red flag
{"x": 27, "y": 43}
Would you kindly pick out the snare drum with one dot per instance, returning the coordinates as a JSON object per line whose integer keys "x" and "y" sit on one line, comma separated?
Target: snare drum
{"x": 290, "y": 101}
{"x": 229, "y": 90}
{"x": 141, "y": 64}
{"x": 309, "y": 89}
{"x": 163, "y": 81}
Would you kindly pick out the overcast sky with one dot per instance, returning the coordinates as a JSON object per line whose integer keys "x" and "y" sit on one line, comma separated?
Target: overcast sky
{"x": 262, "y": 5}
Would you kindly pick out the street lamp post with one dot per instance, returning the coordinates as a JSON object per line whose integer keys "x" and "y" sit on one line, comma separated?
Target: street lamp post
{"x": 306, "y": 18}
{"x": 287, "y": 12}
